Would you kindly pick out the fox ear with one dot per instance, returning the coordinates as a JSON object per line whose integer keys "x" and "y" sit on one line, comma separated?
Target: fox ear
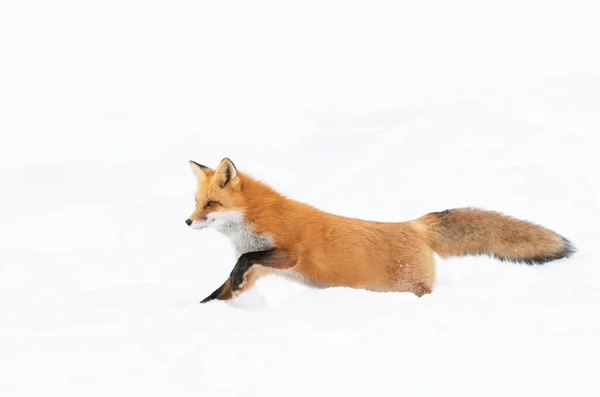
{"x": 199, "y": 170}
{"x": 226, "y": 173}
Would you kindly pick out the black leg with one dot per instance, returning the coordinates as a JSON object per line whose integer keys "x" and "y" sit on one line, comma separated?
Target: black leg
{"x": 222, "y": 293}
{"x": 275, "y": 258}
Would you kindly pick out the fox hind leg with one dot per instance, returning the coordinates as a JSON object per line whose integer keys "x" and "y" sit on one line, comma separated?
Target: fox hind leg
{"x": 421, "y": 288}
{"x": 416, "y": 274}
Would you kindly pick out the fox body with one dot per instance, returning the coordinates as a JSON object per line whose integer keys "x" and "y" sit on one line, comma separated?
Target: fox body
{"x": 272, "y": 233}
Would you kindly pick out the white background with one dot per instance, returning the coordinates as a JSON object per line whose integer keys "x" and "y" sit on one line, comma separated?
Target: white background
{"x": 372, "y": 109}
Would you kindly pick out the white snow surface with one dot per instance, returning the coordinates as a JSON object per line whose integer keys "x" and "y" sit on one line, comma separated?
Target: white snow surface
{"x": 383, "y": 110}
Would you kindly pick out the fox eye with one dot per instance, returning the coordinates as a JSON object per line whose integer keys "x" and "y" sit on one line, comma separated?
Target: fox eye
{"x": 211, "y": 203}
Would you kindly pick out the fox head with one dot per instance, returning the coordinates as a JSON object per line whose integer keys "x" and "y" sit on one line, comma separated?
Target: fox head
{"x": 219, "y": 199}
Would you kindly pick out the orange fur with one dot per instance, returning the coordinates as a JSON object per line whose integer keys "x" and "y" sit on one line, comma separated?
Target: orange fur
{"x": 327, "y": 250}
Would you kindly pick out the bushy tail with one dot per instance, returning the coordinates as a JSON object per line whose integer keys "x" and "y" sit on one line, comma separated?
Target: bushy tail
{"x": 468, "y": 231}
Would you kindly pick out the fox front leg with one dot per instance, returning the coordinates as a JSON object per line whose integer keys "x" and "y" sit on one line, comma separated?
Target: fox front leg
{"x": 273, "y": 258}
{"x": 222, "y": 293}
{"x": 244, "y": 274}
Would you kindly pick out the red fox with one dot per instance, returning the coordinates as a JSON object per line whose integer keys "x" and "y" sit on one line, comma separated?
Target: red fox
{"x": 272, "y": 233}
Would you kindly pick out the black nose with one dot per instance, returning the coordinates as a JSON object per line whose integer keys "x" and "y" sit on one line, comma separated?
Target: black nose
{"x": 188, "y": 221}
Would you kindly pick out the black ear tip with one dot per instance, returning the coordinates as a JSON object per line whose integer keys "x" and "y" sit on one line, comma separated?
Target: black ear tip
{"x": 229, "y": 160}
{"x": 198, "y": 164}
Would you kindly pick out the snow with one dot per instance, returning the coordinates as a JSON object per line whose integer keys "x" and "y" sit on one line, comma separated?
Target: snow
{"x": 380, "y": 110}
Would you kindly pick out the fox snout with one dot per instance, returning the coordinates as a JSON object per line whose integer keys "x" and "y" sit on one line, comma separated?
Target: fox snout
{"x": 197, "y": 224}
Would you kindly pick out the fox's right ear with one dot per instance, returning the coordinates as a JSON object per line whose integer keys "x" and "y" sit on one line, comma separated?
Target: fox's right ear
{"x": 226, "y": 173}
{"x": 199, "y": 170}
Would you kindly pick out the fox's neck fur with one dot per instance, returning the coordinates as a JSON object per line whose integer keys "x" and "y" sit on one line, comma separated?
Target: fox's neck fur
{"x": 243, "y": 236}
{"x": 243, "y": 228}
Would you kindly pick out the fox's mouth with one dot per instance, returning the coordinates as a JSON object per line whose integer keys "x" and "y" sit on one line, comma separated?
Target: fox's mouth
{"x": 199, "y": 225}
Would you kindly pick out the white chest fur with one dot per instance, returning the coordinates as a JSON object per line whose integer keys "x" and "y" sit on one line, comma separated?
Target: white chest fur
{"x": 243, "y": 237}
